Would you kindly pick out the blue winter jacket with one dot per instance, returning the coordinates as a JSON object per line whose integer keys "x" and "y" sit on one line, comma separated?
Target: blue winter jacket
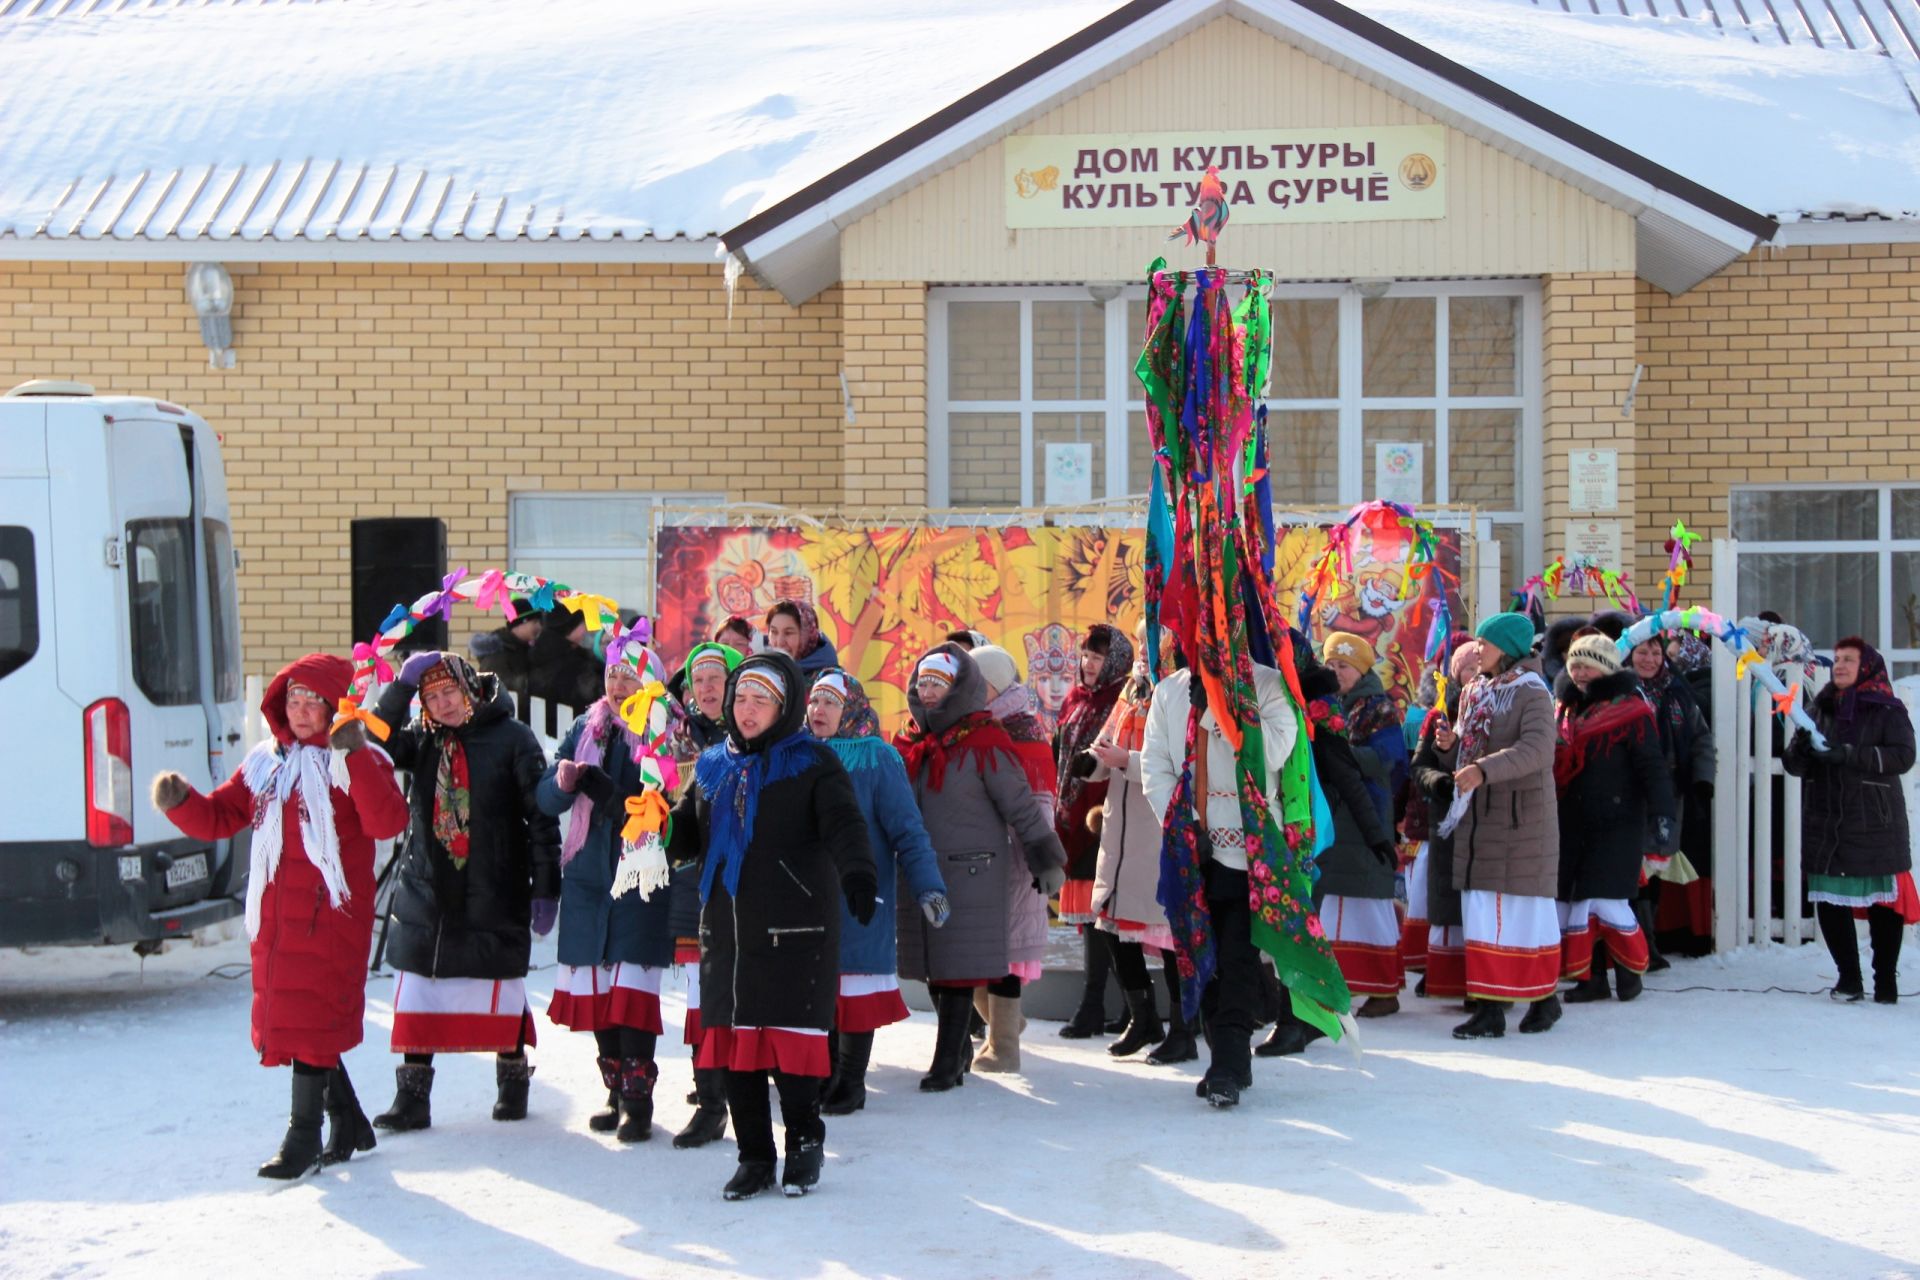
{"x": 595, "y": 928}
{"x": 900, "y": 845}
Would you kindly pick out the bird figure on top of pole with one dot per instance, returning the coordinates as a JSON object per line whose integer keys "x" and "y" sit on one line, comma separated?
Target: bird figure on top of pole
{"x": 1209, "y": 217}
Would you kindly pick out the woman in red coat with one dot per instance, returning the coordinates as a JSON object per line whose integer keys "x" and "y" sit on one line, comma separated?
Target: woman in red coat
{"x": 316, "y": 803}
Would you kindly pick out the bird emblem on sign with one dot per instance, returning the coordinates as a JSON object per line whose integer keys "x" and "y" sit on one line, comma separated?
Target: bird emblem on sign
{"x": 1209, "y": 217}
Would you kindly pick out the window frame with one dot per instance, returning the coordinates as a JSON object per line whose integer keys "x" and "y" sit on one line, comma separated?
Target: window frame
{"x": 28, "y": 591}
{"x": 655, "y": 502}
{"x": 1122, "y": 397}
{"x": 1884, "y": 547}
{"x": 184, "y": 527}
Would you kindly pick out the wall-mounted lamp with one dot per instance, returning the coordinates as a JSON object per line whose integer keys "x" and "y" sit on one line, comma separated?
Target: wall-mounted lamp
{"x": 1103, "y": 293}
{"x": 1375, "y": 287}
{"x": 210, "y": 294}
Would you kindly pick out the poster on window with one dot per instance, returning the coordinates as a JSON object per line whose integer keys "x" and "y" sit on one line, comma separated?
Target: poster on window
{"x": 887, "y": 595}
{"x": 1398, "y": 471}
{"x": 1069, "y": 481}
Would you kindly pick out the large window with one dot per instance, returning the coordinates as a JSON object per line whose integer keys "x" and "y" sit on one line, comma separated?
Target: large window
{"x": 598, "y": 542}
{"x": 1835, "y": 561}
{"x": 1436, "y": 380}
{"x": 19, "y": 599}
{"x": 165, "y": 635}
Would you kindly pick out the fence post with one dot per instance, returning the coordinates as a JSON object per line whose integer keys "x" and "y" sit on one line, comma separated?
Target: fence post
{"x": 1729, "y": 793}
{"x": 1760, "y": 752}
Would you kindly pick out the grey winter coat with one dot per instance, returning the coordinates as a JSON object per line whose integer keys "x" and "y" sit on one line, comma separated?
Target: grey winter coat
{"x": 971, "y": 789}
{"x": 1509, "y": 839}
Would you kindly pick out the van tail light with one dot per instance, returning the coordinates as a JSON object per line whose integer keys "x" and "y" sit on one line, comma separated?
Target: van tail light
{"x": 109, "y": 774}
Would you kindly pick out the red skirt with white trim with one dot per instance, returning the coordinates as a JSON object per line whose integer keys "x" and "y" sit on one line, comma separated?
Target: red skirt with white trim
{"x": 867, "y": 1002}
{"x": 595, "y": 997}
{"x": 1076, "y": 902}
{"x": 1413, "y": 930}
{"x": 1365, "y": 936}
{"x": 798, "y": 1051}
{"x": 1513, "y": 946}
{"x": 460, "y": 1015}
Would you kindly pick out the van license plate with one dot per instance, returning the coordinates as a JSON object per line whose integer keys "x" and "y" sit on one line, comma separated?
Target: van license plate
{"x": 185, "y": 871}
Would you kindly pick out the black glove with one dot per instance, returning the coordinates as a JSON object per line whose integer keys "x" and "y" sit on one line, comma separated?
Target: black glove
{"x": 861, "y": 891}
{"x": 1835, "y": 753}
{"x": 1388, "y": 855}
{"x": 595, "y": 784}
{"x": 1082, "y": 765}
{"x": 1703, "y": 791}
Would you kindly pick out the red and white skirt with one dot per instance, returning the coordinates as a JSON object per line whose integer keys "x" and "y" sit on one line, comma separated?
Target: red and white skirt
{"x": 595, "y": 997}
{"x": 867, "y": 1002}
{"x": 1076, "y": 902}
{"x": 1606, "y": 920}
{"x": 460, "y": 1015}
{"x": 1413, "y": 930}
{"x": 1513, "y": 946}
{"x": 1446, "y": 961}
{"x": 686, "y": 963}
{"x": 798, "y": 1051}
{"x": 1365, "y": 935}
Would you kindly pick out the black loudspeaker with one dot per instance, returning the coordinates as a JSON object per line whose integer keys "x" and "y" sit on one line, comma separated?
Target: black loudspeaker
{"x": 396, "y": 561}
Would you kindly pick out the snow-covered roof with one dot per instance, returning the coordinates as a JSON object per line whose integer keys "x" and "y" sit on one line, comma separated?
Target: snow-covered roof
{"x": 424, "y": 127}
{"x": 605, "y": 129}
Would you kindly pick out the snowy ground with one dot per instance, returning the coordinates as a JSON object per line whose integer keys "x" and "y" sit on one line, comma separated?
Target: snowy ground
{"x": 1699, "y": 1132}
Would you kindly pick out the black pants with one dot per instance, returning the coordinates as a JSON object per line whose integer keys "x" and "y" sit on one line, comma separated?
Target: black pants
{"x": 753, "y": 1115}
{"x": 626, "y": 1042}
{"x": 1231, "y": 1001}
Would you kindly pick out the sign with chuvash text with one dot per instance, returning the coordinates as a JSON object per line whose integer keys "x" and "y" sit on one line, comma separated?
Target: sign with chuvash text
{"x": 1270, "y": 176}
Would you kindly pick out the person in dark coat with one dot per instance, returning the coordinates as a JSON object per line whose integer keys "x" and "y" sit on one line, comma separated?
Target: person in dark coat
{"x": 1615, "y": 803}
{"x": 613, "y": 951}
{"x": 1686, "y": 740}
{"x": 562, "y": 669}
{"x": 793, "y": 627}
{"x": 1555, "y": 643}
{"x": 1357, "y": 873}
{"x": 774, "y": 822}
{"x": 507, "y": 652}
{"x": 316, "y": 803}
{"x": 1854, "y": 840}
{"x": 479, "y": 874}
{"x": 979, "y": 809}
{"x": 1438, "y": 903}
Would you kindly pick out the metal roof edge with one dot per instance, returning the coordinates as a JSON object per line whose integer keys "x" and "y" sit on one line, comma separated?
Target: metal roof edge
{"x": 43, "y": 248}
{"x": 1812, "y": 231}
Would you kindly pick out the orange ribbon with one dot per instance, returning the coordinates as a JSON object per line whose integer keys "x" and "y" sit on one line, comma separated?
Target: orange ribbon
{"x": 646, "y": 812}
{"x": 351, "y": 711}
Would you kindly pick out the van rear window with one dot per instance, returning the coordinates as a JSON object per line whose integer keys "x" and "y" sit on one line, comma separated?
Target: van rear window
{"x": 223, "y": 617}
{"x": 165, "y": 638}
{"x": 19, "y": 600}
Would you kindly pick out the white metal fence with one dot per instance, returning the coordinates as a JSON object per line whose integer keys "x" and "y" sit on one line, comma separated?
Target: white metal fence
{"x": 1752, "y": 791}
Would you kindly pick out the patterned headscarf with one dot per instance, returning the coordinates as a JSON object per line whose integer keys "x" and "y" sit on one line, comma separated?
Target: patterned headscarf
{"x": 452, "y": 797}
{"x": 1872, "y": 688}
{"x": 857, "y": 716}
{"x": 1087, "y": 710}
{"x": 810, "y": 637}
{"x": 1786, "y": 649}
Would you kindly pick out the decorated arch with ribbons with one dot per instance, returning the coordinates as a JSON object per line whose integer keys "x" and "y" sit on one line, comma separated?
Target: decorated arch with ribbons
{"x": 1786, "y": 699}
{"x": 1578, "y": 576}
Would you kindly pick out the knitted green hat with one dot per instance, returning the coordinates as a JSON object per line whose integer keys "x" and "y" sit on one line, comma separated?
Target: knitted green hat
{"x": 1511, "y": 633}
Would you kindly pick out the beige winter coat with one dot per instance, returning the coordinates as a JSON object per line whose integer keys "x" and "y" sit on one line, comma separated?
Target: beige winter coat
{"x": 1509, "y": 839}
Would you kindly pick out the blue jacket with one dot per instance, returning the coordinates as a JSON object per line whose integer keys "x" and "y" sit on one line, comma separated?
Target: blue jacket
{"x": 894, "y": 828}
{"x": 595, "y": 928}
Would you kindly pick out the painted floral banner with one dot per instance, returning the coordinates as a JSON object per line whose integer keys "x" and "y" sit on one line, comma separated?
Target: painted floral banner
{"x": 885, "y": 596}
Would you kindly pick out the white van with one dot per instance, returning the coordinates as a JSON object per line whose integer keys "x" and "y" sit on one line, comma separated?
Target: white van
{"x": 119, "y": 657}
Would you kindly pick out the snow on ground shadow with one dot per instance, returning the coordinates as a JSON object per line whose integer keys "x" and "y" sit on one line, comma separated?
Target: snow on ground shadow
{"x": 1698, "y": 1132}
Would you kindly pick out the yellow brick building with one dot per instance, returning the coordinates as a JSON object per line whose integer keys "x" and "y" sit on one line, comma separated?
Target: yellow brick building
{"x": 1581, "y": 343}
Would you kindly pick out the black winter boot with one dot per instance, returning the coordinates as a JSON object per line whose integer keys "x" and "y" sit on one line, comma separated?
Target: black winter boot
{"x": 1885, "y": 929}
{"x": 749, "y": 1180}
{"x": 1179, "y": 1045}
{"x": 300, "y": 1150}
{"x": 1843, "y": 944}
{"x": 1644, "y": 909}
{"x": 637, "y": 1076}
{"x": 1590, "y": 988}
{"x": 412, "y": 1100}
{"x": 709, "y": 1123}
{"x": 802, "y": 1172}
{"x": 1541, "y": 1016}
{"x": 848, "y": 1092}
{"x": 512, "y": 1076}
{"x": 1143, "y": 1025}
{"x": 951, "y": 1052}
{"x": 349, "y": 1130}
{"x": 1627, "y": 985}
{"x": 1489, "y": 1022}
{"x": 609, "y": 1119}
{"x": 1090, "y": 1019}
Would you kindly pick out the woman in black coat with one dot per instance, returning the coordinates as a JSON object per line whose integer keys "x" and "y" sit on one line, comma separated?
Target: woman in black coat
{"x": 1431, "y": 777}
{"x": 1853, "y": 819}
{"x": 773, "y": 819}
{"x": 1616, "y": 803}
{"x": 479, "y": 875}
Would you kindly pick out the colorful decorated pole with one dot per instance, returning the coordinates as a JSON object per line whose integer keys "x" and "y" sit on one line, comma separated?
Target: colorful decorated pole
{"x": 649, "y": 715}
{"x": 1581, "y": 576}
{"x": 1209, "y": 528}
